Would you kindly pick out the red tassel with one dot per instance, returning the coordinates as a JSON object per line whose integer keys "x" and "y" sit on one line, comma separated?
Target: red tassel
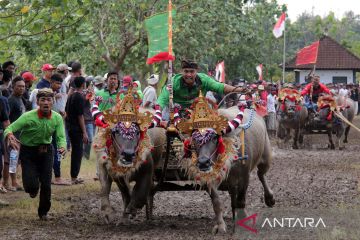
{"x": 221, "y": 146}
{"x": 329, "y": 116}
{"x": 282, "y": 107}
{"x": 187, "y": 148}
{"x": 108, "y": 142}
{"x": 142, "y": 135}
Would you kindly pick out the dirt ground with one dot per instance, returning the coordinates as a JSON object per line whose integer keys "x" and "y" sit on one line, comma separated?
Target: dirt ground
{"x": 314, "y": 182}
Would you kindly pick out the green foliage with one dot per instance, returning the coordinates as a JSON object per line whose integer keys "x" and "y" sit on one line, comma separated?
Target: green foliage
{"x": 110, "y": 34}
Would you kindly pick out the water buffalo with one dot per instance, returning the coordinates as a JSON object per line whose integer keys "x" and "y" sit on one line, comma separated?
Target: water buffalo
{"x": 332, "y": 123}
{"x": 291, "y": 115}
{"x": 258, "y": 149}
{"x": 132, "y": 150}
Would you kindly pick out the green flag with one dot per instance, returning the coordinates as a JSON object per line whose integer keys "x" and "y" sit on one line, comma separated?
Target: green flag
{"x": 159, "y": 37}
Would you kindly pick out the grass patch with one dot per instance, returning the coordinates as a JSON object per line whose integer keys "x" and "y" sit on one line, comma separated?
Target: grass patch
{"x": 24, "y": 207}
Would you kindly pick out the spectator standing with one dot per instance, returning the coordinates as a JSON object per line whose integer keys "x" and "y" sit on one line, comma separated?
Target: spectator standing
{"x": 4, "y": 119}
{"x": 271, "y": 113}
{"x": 127, "y": 80}
{"x": 76, "y": 71}
{"x": 29, "y": 78}
{"x": 63, "y": 70}
{"x": 47, "y": 70}
{"x": 10, "y": 67}
{"x": 75, "y": 124}
{"x": 5, "y": 83}
{"x": 89, "y": 95}
{"x": 17, "y": 108}
{"x": 98, "y": 83}
{"x": 36, "y": 152}
{"x": 150, "y": 95}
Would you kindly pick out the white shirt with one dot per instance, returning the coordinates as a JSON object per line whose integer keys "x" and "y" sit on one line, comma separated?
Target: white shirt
{"x": 343, "y": 92}
{"x": 149, "y": 96}
{"x": 271, "y": 103}
{"x": 59, "y": 103}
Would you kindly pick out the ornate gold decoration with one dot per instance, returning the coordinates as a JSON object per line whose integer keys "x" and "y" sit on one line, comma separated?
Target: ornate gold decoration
{"x": 327, "y": 100}
{"x": 291, "y": 94}
{"x": 202, "y": 117}
{"x": 127, "y": 111}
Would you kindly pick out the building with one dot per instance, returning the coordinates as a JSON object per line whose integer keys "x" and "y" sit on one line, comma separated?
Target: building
{"x": 335, "y": 64}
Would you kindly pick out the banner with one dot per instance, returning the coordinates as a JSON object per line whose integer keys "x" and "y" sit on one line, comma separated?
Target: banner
{"x": 307, "y": 55}
{"x": 160, "y": 37}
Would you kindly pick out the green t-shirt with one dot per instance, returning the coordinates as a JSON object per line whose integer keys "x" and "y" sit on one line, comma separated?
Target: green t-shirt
{"x": 35, "y": 131}
{"x": 108, "y": 99}
{"x": 185, "y": 95}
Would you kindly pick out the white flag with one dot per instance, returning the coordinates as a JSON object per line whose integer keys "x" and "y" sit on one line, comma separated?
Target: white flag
{"x": 259, "y": 70}
{"x": 220, "y": 72}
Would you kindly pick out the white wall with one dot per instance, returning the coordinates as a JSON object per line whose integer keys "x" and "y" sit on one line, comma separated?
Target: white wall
{"x": 326, "y": 76}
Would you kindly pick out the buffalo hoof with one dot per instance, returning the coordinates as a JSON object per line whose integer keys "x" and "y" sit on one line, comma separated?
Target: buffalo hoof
{"x": 108, "y": 215}
{"x": 219, "y": 229}
{"x": 341, "y": 148}
{"x": 345, "y": 141}
{"x": 269, "y": 200}
{"x": 295, "y": 147}
{"x": 130, "y": 212}
{"x": 332, "y": 147}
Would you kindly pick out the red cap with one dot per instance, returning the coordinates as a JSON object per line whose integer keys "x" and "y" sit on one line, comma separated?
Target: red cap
{"x": 28, "y": 76}
{"x": 47, "y": 67}
{"x": 127, "y": 80}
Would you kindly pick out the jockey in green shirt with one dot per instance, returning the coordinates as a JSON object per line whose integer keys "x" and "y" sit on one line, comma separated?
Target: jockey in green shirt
{"x": 187, "y": 85}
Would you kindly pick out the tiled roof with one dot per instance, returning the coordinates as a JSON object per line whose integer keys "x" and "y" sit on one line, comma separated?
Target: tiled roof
{"x": 331, "y": 55}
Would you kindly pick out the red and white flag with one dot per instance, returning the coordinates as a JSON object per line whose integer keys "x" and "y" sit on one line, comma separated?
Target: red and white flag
{"x": 220, "y": 72}
{"x": 279, "y": 27}
{"x": 259, "y": 70}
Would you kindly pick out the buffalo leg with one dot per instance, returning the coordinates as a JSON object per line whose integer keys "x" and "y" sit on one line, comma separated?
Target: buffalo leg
{"x": 339, "y": 135}
{"x": 105, "y": 181}
{"x": 142, "y": 188}
{"x": 332, "y": 145}
{"x": 125, "y": 192}
{"x": 218, "y": 209}
{"x": 263, "y": 167}
{"x": 296, "y": 136}
{"x": 301, "y": 136}
{"x": 268, "y": 194}
{"x": 288, "y": 136}
{"x": 346, "y": 134}
{"x": 240, "y": 200}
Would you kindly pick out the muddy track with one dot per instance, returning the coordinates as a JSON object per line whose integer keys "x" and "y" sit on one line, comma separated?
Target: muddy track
{"x": 317, "y": 182}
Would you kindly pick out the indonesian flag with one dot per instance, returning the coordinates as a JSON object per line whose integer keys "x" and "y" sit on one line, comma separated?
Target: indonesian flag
{"x": 259, "y": 70}
{"x": 159, "y": 28}
{"x": 279, "y": 26}
{"x": 220, "y": 72}
{"x": 308, "y": 55}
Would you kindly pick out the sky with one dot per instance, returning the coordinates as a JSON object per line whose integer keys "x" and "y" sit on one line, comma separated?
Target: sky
{"x": 320, "y": 7}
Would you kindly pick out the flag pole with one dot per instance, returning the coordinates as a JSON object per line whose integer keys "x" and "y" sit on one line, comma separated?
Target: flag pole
{"x": 283, "y": 73}
{"x": 171, "y": 127}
